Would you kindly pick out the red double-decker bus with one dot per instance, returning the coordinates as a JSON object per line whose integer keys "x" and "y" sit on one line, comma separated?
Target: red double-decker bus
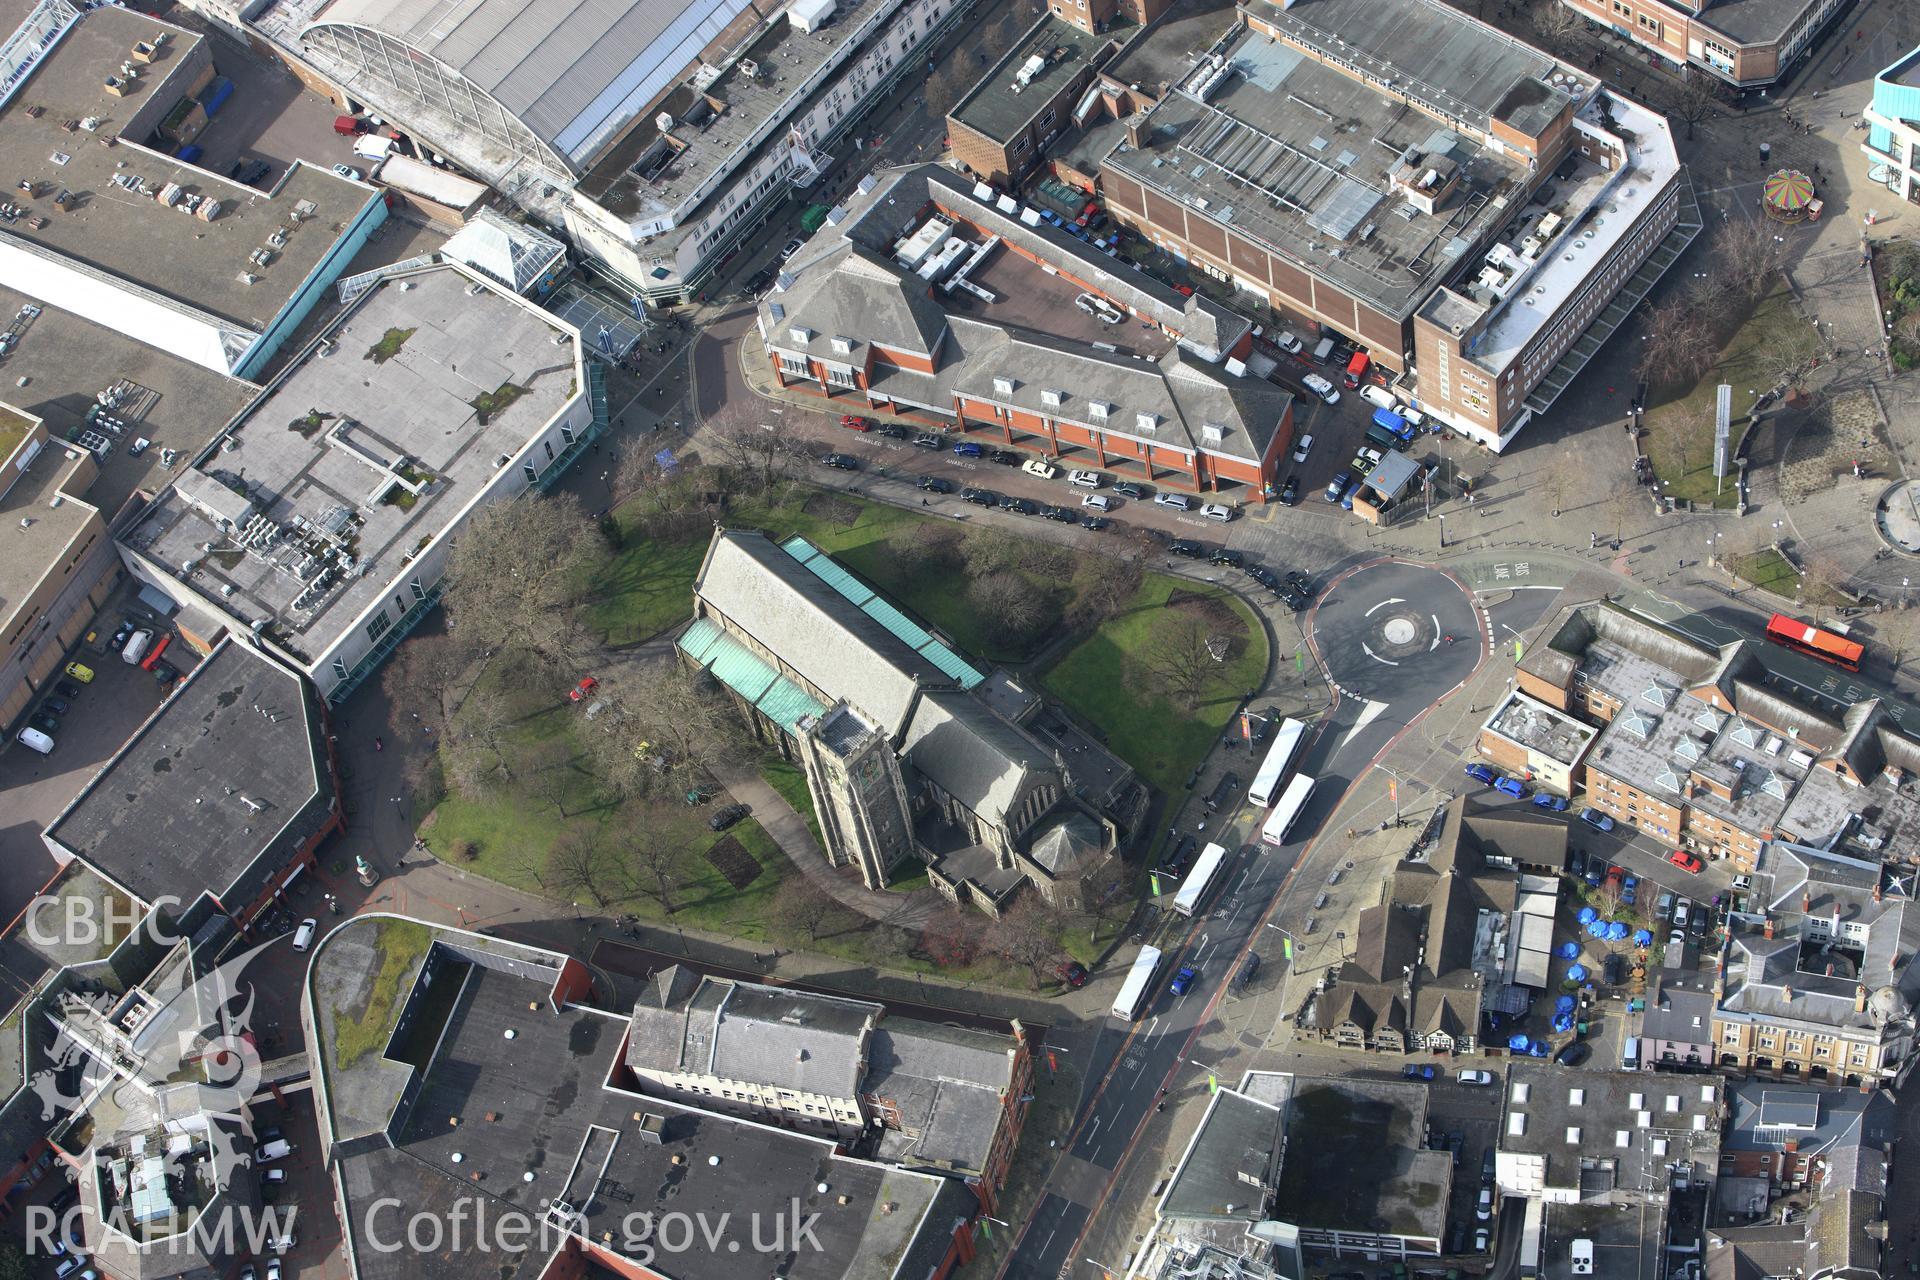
{"x": 1804, "y": 637}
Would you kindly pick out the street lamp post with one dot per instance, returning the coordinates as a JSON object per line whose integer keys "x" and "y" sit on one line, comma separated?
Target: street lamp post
{"x": 1443, "y": 532}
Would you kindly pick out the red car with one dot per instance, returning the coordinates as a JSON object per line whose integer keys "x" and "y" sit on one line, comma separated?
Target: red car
{"x": 584, "y": 690}
{"x": 1687, "y": 862}
{"x": 1184, "y": 290}
{"x": 1092, "y": 207}
{"x": 854, "y": 422}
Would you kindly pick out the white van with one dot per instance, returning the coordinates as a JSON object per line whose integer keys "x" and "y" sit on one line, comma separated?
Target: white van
{"x": 136, "y": 648}
{"x": 1097, "y": 502}
{"x": 34, "y": 740}
{"x": 1323, "y": 349}
{"x": 1412, "y": 416}
{"x": 1630, "y": 1054}
{"x": 1288, "y": 343}
{"x": 303, "y": 936}
{"x": 278, "y": 1149}
{"x": 1378, "y": 397}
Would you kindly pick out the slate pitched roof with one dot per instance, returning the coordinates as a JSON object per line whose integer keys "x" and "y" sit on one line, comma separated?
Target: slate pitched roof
{"x": 982, "y": 760}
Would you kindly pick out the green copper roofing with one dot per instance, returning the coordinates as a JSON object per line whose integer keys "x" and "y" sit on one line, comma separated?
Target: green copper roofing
{"x": 741, "y": 670}
{"x": 914, "y": 635}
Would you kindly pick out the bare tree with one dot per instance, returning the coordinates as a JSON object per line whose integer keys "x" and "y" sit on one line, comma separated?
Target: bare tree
{"x": 1108, "y": 896}
{"x": 549, "y": 773}
{"x": 1899, "y": 633}
{"x": 1750, "y": 258}
{"x": 654, "y": 868}
{"x": 928, "y": 547}
{"x": 517, "y": 575}
{"x": 1012, "y": 606}
{"x": 577, "y": 864}
{"x": 1624, "y": 501}
{"x": 418, "y": 680}
{"x": 660, "y": 728}
{"x": 1698, "y": 100}
{"x": 951, "y": 939}
{"x": 480, "y": 726}
{"x": 1027, "y": 934}
{"x": 1179, "y": 656}
{"x": 1553, "y": 486}
{"x": 1678, "y": 346}
{"x": 1825, "y": 581}
{"x": 1104, "y": 585}
{"x": 805, "y": 907}
{"x": 1553, "y": 21}
{"x": 1789, "y": 358}
{"x": 758, "y": 452}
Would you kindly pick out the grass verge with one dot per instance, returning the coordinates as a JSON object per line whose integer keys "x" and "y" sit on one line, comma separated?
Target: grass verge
{"x": 1766, "y": 569}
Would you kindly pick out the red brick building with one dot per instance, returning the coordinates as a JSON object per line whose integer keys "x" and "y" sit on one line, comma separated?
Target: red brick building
{"x": 1077, "y": 358}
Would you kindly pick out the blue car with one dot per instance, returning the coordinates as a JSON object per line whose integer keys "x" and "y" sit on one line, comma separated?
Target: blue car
{"x": 1480, "y": 773}
{"x": 1512, "y": 786}
{"x": 1596, "y": 819}
{"x": 1337, "y": 487}
{"x": 1423, "y": 1071}
{"x": 967, "y": 449}
{"x": 1627, "y": 889}
{"x": 1593, "y": 876}
{"x": 1556, "y": 803}
{"x": 1183, "y": 979}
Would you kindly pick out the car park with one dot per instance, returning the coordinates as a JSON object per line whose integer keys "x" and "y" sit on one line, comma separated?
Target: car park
{"x": 1676, "y": 941}
{"x": 1481, "y": 1239}
{"x": 841, "y": 462}
{"x": 165, "y": 673}
{"x": 1128, "y": 489}
{"x": 1337, "y": 487}
{"x": 1019, "y": 506}
{"x": 967, "y": 449}
{"x": 1475, "y": 1077}
{"x": 1687, "y": 862}
{"x": 1295, "y": 599}
{"x": 1360, "y": 465}
{"x": 727, "y": 816}
{"x": 1697, "y": 924}
{"x": 1084, "y": 479}
{"x": 34, "y": 740}
{"x": 1038, "y": 469}
{"x": 1300, "y": 582}
{"x": 790, "y": 248}
{"x": 892, "y": 430}
{"x": 1321, "y": 387}
{"x": 1574, "y": 1054}
{"x": 1481, "y": 773}
{"x": 1095, "y": 523}
{"x": 348, "y": 172}
{"x": 1074, "y": 974}
{"x": 854, "y": 422}
{"x": 80, "y": 671}
{"x": 1301, "y": 450}
{"x": 1289, "y": 344}
{"x": 1613, "y": 969}
{"x": 1663, "y": 907}
{"x": 1545, "y": 800}
{"x": 1191, "y": 550}
{"x": 1596, "y": 819}
{"x": 1230, "y": 559}
{"x": 1061, "y": 514}
{"x": 45, "y": 723}
{"x": 1742, "y": 883}
{"x": 1483, "y": 1207}
{"x": 1511, "y": 786}
{"x": 1265, "y": 577}
{"x": 302, "y": 939}
{"x": 1175, "y": 501}
{"x": 1005, "y": 457}
{"x": 978, "y": 497}
{"x": 1378, "y": 397}
{"x": 69, "y": 690}
{"x": 934, "y": 484}
{"x": 1629, "y": 889}
{"x": 1290, "y": 491}
{"x": 1183, "y": 981}
{"x": 1418, "y": 1071}
{"x": 121, "y": 634}
{"x": 928, "y": 440}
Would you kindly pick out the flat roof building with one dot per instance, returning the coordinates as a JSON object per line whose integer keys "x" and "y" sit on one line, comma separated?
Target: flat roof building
{"x": 228, "y": 789}
{"x": 1747, "y": 45}
{"x": 1424, "y": 135}
{"x": 1618, "y": 1137}
{"x": 1001, "y": 128}
{"x": 134, "y": 239}
{"x": 475, "y": 1019}
{"x": 658, "y": 135}
{"x": 321, "y": 520}
{"x": 1531, "y": 739}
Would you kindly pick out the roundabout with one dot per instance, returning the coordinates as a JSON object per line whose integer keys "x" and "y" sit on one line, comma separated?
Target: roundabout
{"x": 1397, "y": 632}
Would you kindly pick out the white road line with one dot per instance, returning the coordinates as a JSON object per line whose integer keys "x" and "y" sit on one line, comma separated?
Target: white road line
{"x": 1383, "y": 604}
{"x": 1148, "y": 1034}
{"x": 1376, "y": 657}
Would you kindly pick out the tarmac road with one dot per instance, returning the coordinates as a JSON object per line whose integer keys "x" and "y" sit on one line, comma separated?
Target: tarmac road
{"x": 1139, "y": 1064}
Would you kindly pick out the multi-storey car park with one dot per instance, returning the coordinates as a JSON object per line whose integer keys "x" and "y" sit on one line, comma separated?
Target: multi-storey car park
{"x": 659, "y": 135}
{"x": 1476, "y": 213}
